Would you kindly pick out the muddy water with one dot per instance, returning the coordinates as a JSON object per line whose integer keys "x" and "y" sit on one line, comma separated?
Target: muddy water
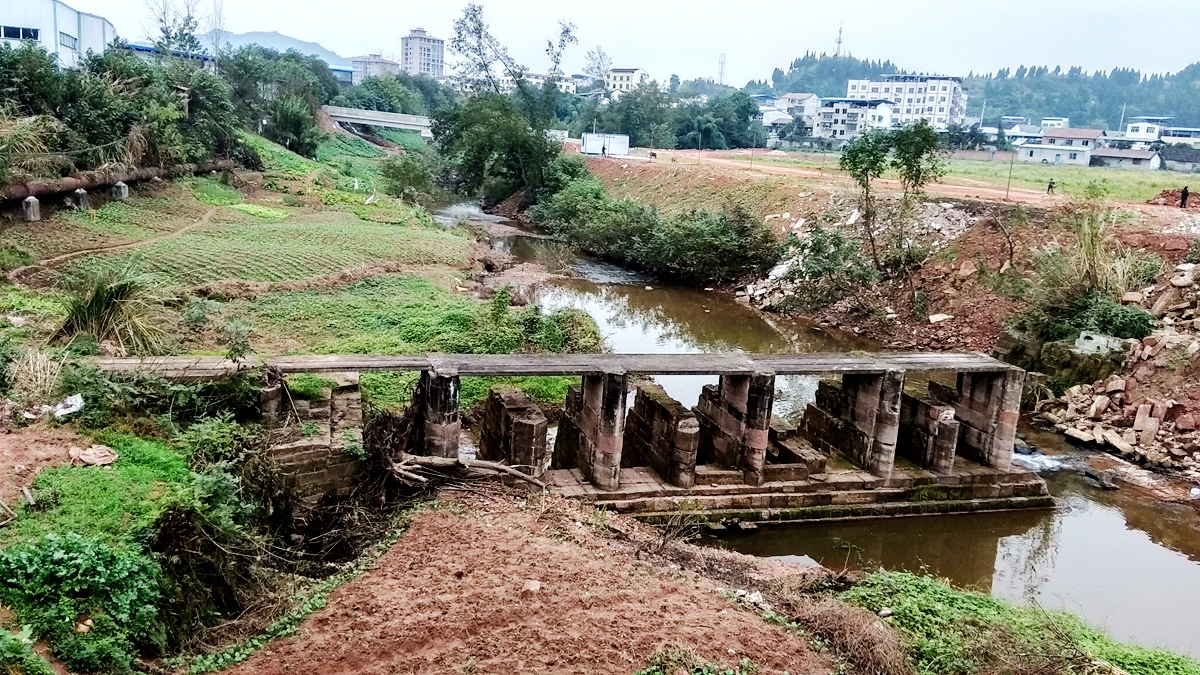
{"x": 1126, "y": 564}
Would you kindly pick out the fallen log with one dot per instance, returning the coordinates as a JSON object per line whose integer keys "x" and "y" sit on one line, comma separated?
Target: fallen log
{"x": 452, "y": 462}
{"x": 93, "y": 179}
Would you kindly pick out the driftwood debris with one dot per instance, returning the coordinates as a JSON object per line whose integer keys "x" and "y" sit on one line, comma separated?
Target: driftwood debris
{"x": 11, "y": 515}
{"x": 402, "y": 468}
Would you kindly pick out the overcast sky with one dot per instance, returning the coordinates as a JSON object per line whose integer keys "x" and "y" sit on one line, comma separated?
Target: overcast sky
{"x": 687, "y": 37}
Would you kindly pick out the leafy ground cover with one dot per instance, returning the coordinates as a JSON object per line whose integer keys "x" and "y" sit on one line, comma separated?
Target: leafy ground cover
{"x": 950, "y": 631}
{"x": 277, "y": 159}
{"x": 409, "y": 140}
{"x": 341, "y": 145}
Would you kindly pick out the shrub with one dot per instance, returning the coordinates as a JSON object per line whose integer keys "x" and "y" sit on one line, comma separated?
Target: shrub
{"x": 1100, "y": 314}
{"x": 65, "y": 579}
{"x": 117, "y": 305}
{"x": 143, "y": 395}
{"x": 1193, "y": 255}
{"x": 17, "y": 656}
{"x": 196, "y": 312}
{"x": 831, "y": 265}
{"x": 408, "y": 177}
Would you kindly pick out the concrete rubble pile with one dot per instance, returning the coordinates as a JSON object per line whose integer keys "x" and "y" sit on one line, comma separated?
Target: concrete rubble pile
{"x": 936, "y": 225}
{"x": 1157, "y": 431}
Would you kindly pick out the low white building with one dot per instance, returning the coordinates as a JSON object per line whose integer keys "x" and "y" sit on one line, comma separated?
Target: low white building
{"x": 1056, "y": 122}
{"x": 1073, "y": 138}
{"x": 1146, "y": 129}
{"x": 1041, "y": 153}
{"x": 802, "y": 104}
{"x": 372, "y": 65}
{"x": 624, "y": 79}
{"x": 57, "y": 27}
{"x": 508, "y": 83}
{"x": 772, "y": 116}
{"x": 1181, "y": 136}
{"x": 1142, "y": 160}
{"x": 846, "y": 118}
{"x": 939, "y": 100}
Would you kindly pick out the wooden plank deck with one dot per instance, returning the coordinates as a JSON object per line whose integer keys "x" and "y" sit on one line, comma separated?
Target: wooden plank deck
{"x": 191, "y": 368}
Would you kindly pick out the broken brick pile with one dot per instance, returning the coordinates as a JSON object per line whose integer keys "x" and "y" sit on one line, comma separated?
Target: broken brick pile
{"x": 1159, "y": 431}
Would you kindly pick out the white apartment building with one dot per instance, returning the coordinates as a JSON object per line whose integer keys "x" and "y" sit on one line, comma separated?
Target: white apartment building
{"x": 800, "y": 104}
{"x": 1056, "y": 122}
{"x": 624, "y": 79}
{"x": 58, "y": 28}
{"x": 421, "y": 53}
{"x": 939, "y": 100}
{"x": 846, "y": 118}
{"x": 565, "y": 84}
{"x": 372, "y": 65}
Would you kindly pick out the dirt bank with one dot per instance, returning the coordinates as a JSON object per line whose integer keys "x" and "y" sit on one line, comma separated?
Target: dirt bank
{"x": 449, "y": 598}
{"x": 25, "y": 452}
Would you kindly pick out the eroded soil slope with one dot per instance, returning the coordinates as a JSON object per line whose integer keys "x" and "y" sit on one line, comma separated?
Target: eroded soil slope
{"x": 448, "y": 598}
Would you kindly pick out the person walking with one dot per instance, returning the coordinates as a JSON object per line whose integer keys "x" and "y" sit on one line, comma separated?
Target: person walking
{"x": 1050, "y": 187}
{"x": 1183, "y": 197}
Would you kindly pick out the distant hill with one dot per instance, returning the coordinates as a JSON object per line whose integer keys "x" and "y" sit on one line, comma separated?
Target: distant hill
{"x": 280, "y": 42}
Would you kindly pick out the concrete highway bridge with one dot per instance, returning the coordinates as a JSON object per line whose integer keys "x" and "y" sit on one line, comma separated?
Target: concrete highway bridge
{"x": 865, "y": 447}
{"x": 376, "y": 118}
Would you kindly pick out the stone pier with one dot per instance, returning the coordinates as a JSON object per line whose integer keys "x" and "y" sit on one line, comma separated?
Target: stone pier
{"x": 859, "y": 420}
{"x": 79, "y": 199}
{"x": 592, "y": 428}
{"x": 987, "y": 406}
{"x": 439, "y": 421}
{"x": 31, "y": 209}
{"x": 119, "y": 191}
{"x": 735, "y": 416}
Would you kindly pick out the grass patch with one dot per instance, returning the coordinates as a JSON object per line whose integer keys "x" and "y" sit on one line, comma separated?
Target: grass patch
{"x": 215, "y": 194}
{"x": 308, "y": 386}
{"x": 22, "y": 300}
{"x": 264, "y": 212}
{"x": 409, "y": 140}
{"x": 341, "y": 145}
{"x": 392, "y": 392}
{"x": 118, "y": 504}
{"x": 278, "y": 159}
{"x": 12, "y": 257}
{"x": 949, "y": 631}
{"x": 114, "y": 218}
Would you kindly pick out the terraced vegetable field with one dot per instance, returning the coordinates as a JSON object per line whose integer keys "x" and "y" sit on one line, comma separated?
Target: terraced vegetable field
{"x": 237, "y": 246}
{"x": 113, "y": 224}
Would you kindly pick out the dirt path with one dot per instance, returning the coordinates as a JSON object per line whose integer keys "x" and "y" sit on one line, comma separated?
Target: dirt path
{"x": 979, "y": 190}
{"x": 448, "y": 599}
{"x": 15, "y": 275}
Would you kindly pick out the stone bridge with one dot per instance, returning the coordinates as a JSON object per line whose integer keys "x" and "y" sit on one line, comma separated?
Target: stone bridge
{"x": 375, "y": 118}
{"x": 864, "y": 447}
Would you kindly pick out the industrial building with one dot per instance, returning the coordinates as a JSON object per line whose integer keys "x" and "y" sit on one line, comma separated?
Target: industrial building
{"x": 57, "y": 27}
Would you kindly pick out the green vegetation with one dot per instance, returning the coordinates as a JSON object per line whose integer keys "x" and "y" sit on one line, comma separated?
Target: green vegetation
{"x": 17, "y": 656}
{"x": 264, "y": 212}
{"x": 951, "y": 632}
{"x": 12, "y": 258}
{"x": 215, "y": 194}
{"x": 672, "y": 661}
{"x": 831, "y": 265}
{"x": 1193, "y": 255}
{"x": 277, "y": 159}
{"x": 307, "y": 385}
{"x": 117, "y": 305}
{"x": 409, "y": 140}
{"x": 115, "y": 218}
{"x": 341, "y": 145}
{"x": 697, "y": 246}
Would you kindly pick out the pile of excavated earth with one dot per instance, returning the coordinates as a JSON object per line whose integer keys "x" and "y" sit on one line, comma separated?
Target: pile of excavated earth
{"x": 1150, "y": 411}
{"x": 1174, "y": 198}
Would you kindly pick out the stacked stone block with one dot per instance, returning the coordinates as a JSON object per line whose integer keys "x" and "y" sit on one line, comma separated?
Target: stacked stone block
{"x": 662, "y": 434}
{"x": 514, "y": 431}
{"x": 859, "y": 421}
{"x": 928, "y": 434}
{"x": 591, "y": 432}
{"x": 735, "y": 417}
{"x": 440, "y": 423}
{"x": 987, "y": 406}
{"x": 328, "y": 461}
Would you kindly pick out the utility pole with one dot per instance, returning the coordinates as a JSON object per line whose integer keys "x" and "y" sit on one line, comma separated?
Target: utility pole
{"x": 1010, "y": 171}
{"x": 983, "y": 115}
{"x": 721, "y": 70}
{"x": 1122, "y": 125}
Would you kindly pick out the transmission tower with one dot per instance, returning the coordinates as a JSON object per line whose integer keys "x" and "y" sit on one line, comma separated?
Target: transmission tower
{"x": 839, "y": 41}
{"x": 721, "y": 70}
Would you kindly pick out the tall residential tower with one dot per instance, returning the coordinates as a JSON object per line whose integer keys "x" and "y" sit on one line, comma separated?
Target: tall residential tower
{"x": 422, "y": 53}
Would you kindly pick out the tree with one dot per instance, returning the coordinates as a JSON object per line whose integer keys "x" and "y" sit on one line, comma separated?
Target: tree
{"x": 176, "y": 22}
{"x": 598, "y": 65}
{"x": 917, "y": 157}
{"x": 673, "y": 86}
{"x": 483, "y": 57}
{"x": 642, "y": 113}
{"x": 865, "y": 160}
{"x": 692, "y": 131}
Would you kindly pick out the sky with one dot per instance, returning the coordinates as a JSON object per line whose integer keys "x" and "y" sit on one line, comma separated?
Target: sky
{"x": 952, "y": 37}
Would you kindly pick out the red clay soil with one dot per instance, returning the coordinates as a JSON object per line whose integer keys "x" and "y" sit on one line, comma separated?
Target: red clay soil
{"x": 25, "y": 452}
{"x": 448, "y": 598}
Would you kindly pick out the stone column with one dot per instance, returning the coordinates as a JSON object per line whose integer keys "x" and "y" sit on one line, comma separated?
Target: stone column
{"x": 604, "y": 425}
{"x": 874, "y": 409}
{"x": 119, "y": 191}
{"x": 760, "y": 398}
{"x": 439, "y": 400}
{"x": 31, "y": 209}
{"x": 80, "y": 199}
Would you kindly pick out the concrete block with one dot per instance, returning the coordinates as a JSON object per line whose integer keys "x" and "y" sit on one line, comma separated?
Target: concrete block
{"x": 31, "y": 210}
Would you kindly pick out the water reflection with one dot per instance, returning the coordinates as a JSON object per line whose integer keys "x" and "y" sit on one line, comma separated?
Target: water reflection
{"x": 1124, "y": 564}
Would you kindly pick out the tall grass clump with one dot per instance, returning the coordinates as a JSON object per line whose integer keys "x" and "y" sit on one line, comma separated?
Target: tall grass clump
{"x": 1078, "y": 287}
{"x": 118, "y": 306}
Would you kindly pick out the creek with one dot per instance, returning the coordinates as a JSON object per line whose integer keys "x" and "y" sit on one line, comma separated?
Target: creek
{"x": 1125, "y": 563}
